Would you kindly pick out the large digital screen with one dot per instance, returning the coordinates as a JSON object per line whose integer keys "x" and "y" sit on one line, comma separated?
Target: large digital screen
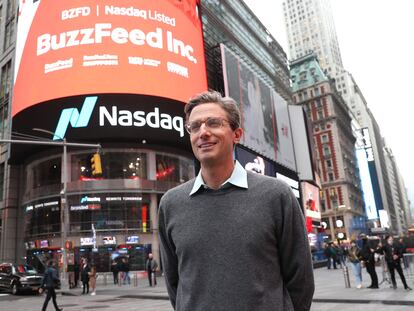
{"x": 68, "y": 48}
{"x": 310, "y": 197}
{"x": 366, "y": 182}
{"x": 265, "y": 116}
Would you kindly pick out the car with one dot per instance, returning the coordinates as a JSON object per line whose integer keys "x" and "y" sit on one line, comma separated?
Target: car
{"x": 19, "y": 277}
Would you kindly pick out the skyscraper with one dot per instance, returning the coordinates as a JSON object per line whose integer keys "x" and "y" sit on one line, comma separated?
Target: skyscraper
{"x": 310, "y": 28}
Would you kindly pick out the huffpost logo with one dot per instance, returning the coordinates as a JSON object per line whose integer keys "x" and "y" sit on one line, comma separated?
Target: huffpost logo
{"x": 74, "y": 117}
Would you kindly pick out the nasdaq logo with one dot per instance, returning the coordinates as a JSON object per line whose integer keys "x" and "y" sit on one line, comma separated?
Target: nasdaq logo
{"x": 75, "y": 118}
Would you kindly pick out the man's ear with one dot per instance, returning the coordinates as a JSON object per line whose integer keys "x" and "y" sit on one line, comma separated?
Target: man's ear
{"x": 238, "y": 134}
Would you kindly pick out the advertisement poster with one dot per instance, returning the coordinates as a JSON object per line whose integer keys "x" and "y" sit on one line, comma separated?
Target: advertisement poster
{"x": 68, "y": 48}
{"x": 310, "y": 197}
{"x": 265, "y": 117}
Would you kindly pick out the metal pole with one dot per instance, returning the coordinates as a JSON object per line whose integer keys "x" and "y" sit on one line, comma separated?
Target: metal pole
{"x": 64, "y": 217}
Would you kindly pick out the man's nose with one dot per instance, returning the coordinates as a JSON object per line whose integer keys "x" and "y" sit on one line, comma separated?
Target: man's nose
{"x": 204, "y": 130}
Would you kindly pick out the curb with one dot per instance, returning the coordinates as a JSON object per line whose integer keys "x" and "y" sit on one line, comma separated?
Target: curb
{"x": 365, "y": 301}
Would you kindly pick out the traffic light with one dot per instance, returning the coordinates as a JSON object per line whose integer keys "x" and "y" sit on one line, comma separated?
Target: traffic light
{"x": 96, "y": 164}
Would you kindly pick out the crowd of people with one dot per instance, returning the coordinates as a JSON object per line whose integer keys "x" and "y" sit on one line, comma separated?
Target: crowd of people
{"x": 367, "y": 254}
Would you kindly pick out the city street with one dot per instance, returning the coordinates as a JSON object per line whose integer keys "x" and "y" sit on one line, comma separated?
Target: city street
{"x": 330, "y": 294}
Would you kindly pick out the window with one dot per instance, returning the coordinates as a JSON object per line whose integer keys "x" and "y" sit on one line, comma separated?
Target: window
{"x": 329, "y": 163}
{"x": 324, "y": 138}
{"x": 330, "y": 176}
{"x": 326, "y": 151}
{"x": 10, "y": 23}
{"x": 1, "y": 180}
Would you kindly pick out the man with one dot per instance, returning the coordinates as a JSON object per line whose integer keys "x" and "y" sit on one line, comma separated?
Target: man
{"x": 368, "y": 257}
{"x": 84, "y": 272}
{"x": 152, "y": 266}
{"x": 392, "y": 257}
{"x": 50, "y": 281}
{"x": 231, "y": 239}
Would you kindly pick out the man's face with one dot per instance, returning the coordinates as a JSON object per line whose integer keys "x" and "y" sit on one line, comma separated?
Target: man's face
{"x": 390, "y": 240}
{"x": 212, "y": 146}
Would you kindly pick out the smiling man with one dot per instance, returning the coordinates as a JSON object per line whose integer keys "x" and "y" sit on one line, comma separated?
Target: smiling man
{"x": 231, "y": 239}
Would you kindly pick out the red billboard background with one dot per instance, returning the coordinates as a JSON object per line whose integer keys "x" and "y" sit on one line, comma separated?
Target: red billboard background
{"x": 67, "y": 48}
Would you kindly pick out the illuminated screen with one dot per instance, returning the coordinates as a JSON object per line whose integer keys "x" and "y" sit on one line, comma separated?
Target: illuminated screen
{"x": 68, "y": 48}
{"x": 369, "y": 198}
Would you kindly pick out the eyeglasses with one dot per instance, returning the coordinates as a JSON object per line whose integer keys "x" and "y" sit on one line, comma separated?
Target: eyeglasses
{"x": 211, "y": 123}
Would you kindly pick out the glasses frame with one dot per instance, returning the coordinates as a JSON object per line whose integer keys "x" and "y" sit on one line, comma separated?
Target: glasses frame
{"x": 205, "y": 122}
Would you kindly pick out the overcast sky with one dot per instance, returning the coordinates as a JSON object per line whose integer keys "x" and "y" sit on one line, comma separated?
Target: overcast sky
{"x": 377, "y": 48}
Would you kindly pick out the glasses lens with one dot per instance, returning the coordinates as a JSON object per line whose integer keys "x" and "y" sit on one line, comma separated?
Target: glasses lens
{"x": 194, "y": 126}
{"x": 214, "y": 122}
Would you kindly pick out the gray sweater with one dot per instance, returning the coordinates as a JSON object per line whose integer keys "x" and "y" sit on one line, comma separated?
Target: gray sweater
{"x": 235, "y": 249}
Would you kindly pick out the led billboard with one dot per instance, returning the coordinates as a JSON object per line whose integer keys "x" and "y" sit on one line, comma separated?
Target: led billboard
{"x": 366, "y": 182}
{"x": 265, "y": 116}
{"x": 68, "y": 48}
{"x": 310, "y": 197}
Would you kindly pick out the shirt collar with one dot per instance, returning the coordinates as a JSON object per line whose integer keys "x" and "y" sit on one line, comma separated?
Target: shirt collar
{"x": 238, "y": 178}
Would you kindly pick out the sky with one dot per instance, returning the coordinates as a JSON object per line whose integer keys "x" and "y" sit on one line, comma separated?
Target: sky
{"x": 377, "y": 48}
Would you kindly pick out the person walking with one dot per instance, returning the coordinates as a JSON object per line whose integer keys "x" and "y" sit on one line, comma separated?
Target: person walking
{"x": 125, "y": 271}
{"x": 50, "y": 281}
{"x": 393, "y": 257}
{"x": 76, "y": 270}
{"x": 115, "y": 271}
{"x": 152, "y": 266}
{"x": 354, "y": 257}
{"x": 328, "y": 255}
{"x": 92, "y": 280}
{"x": 367, "y": 254}
{"x": 231, "y": 239}
{"x": 84, "y": 272}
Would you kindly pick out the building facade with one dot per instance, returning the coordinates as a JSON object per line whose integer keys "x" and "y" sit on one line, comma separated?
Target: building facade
{"x": 310, "y": 28}
{"x": 341, "y": 200}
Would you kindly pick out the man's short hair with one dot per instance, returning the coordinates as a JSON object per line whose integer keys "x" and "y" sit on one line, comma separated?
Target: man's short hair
{"x": 213, "y": 97}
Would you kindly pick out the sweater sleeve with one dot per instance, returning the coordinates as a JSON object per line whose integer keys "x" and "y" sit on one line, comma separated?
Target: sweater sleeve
{"x": 168, "y": 256}
{"x": 295, "y": 256}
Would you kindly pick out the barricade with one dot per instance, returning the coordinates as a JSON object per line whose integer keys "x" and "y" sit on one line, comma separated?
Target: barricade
{"x": 408, "y": 265}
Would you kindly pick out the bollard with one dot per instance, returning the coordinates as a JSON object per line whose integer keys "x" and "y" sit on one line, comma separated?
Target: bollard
{"x": 135, "y": 279}
{"x": 346, "y": 277}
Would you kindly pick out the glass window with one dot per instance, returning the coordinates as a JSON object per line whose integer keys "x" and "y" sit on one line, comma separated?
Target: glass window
{"x": 115, "y": 165}
{"x": 42, "y": 217}
{"x": 109, "y": 211}
{"x": 45, "y": 173}
{"x": 175, "y": 169}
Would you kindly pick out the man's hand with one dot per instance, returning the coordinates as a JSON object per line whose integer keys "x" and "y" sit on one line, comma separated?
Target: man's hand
{"x": 40, "y": 290}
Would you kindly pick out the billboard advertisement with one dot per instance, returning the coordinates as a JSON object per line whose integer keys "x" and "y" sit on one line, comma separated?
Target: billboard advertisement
{"x": 310, "y": 197}
{"x": 366, "y": 182}
{"x": 265, "y": 117}
{"x": 68, "y": 48}
{"x": 255, "y": 163}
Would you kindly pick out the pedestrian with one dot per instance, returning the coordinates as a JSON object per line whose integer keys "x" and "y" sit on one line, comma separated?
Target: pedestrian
{"x": 402, "y": 249}
{"x": 334, "y": 254}
{"x": 354, "y": 257}
{"x": 49, "y": 283}
{"x": 76, "y": 270}
{"x": 114, "y": 268}
{"x": 393, "y": 257}
{"x": 152, "y": 266}
{"x": 368, "y": 257}
{"x": 125, "y": 271}
{"x": 231, "y": 239}
{"x": 92, "y": 280}
{"x": 327, "y": 253}
{"x": 84, "y": 272}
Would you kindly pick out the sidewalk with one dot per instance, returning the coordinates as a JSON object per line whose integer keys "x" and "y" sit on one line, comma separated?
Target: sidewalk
{"x": 329, "y": 288}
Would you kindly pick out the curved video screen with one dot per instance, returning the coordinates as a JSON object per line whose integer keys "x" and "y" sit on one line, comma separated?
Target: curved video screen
{"x": 68, "y": 48}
